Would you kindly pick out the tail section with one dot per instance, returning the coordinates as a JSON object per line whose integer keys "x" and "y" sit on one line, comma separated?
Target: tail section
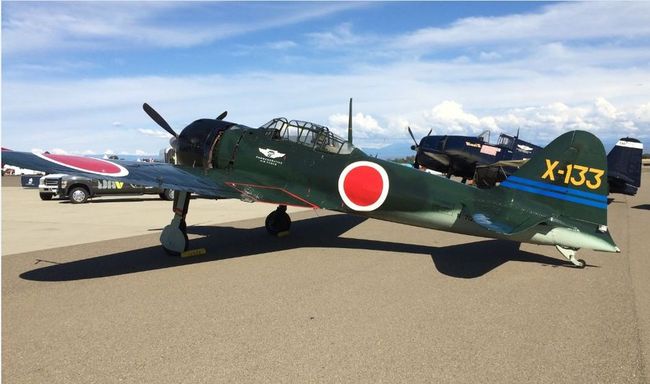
{"x": 624, "y": 166}
{"x": 569, "y": 176}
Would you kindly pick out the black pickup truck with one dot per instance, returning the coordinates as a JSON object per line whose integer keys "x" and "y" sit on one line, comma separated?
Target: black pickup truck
{"x": 80, "y": 189}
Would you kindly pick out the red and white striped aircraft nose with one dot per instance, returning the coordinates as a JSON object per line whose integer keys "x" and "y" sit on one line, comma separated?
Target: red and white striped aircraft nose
{"x": 363, "y": 185}
{"x": 86, "y": 164}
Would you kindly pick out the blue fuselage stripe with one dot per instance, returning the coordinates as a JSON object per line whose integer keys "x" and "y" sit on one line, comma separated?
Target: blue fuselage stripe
{"x": 554, "y": 195}
{"x": 555, "y": 188}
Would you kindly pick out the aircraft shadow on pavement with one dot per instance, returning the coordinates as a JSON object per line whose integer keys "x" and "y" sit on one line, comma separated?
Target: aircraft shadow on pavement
{"x": 468, "y": 260}
{"x": 642, "y": 206}
{"x": 115, "y": 200}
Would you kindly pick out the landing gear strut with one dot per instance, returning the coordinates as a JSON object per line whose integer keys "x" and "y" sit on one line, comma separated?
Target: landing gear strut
{"x": 570, "y": 254}
{"x": 278, "y": 222}
{"x": 174, "y": 236}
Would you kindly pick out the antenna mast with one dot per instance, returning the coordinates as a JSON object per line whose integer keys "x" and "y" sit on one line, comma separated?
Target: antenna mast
{"x": 350, "y": 123}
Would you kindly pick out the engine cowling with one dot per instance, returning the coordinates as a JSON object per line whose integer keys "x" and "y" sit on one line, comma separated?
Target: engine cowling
{"x": 195, "y": 144}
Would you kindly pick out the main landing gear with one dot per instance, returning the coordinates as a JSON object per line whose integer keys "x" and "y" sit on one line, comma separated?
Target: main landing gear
{"x": 278, "y": 222}
{"x": 570, "y": 254}
{"x": 174, "y": 236}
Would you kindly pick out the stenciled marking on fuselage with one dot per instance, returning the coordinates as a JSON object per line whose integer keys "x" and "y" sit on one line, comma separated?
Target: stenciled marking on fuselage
{"x": 567, "y": 172}
{"x": 556, "y": 192}
{"x": 630, "y": 144}
{"x": 271, "y": 156}
{"x": 363, "y": 185}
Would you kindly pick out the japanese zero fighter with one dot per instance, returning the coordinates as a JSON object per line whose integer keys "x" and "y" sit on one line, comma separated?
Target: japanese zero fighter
{"x": 558, "y": 198}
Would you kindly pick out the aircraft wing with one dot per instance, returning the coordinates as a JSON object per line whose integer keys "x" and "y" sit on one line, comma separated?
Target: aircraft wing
{"x": 161, "y": 175}
{"x": 508, "y": 163}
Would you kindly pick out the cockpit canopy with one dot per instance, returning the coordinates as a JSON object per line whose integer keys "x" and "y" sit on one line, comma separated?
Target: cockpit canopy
{"x": 506, "y": 141}
{"x": 309, "y": 134}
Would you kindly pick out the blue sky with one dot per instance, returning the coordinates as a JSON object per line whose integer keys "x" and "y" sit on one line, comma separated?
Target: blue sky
{"x": 75, "y": 74}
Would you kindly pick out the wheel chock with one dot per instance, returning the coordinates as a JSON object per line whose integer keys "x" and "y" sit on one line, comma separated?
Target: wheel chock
{"x": 283, "y": 234}
{"x": 194, "y": 252}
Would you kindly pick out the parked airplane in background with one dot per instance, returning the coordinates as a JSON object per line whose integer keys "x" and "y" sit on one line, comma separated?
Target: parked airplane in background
{"x": 456, "y": 155}
{"x": 559, "y": 197}
{"x": 475, "y": 158}
{"x": 624, "y": 164}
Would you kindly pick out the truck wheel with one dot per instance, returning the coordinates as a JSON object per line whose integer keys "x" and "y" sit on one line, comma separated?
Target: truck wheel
{"x": 46, "y": 196}
{"x": 78, "y": 195}
{"x": 168, "y": 194}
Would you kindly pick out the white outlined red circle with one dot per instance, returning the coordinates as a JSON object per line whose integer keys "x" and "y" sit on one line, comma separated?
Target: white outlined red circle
{"x": 363, "y": 185}
{"x": 86, "y": 164}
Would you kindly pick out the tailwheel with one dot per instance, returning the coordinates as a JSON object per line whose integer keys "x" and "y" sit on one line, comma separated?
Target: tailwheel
{"x": 278, "y": 222}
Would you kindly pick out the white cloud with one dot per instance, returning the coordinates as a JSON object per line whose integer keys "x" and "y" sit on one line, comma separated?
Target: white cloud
{"x": 363, "y": 126}
{"x": 282, "y": 45}
{"x": 529, "y": 70}
{"x": 58, "y": 151}
{"x": 567, "y": 21}
{"x": 33, "y": 28}
{"x": 539, "y": 123}
{"x": 155, "y": 133}
{"x": 489, "y": 56}
{"x": 391, "y": 99}
{"x": 339, "y": 36}
{"x": 642, "y": 113}
{"x": 449, "y": 116}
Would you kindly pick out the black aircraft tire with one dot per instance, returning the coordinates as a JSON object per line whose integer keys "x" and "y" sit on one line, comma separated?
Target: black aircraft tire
{"x": 167, "y": 194}
{"x": 277, "y": 222}
{"x": 176, "y": 239}
{"x": 46, "y": 196}
{"x": 584, "y": 264}
{"x": 78, "y": 195}
{"x": 185, "y": 247}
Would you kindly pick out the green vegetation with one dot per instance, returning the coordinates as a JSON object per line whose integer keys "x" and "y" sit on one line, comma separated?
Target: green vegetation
{"x": 402, "y": 160}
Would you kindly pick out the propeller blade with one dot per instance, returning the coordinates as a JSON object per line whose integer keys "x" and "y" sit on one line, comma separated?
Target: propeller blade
{"x": 223, "y": 115}
{"x": 158, "y": 119}
{"x": 413, "y": 137}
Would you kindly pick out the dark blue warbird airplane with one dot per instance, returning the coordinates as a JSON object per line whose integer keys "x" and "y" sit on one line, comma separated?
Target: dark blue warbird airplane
{"x": 455, "y": 155}
{"x": 474, "y": 158}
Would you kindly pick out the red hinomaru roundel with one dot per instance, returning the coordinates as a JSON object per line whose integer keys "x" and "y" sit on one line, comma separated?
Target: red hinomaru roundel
{"x": 86, "y": 164}
{"x": 363, "y": 185}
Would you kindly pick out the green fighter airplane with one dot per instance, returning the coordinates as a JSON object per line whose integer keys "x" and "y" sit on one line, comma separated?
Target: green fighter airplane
{"x": 558, "y": 198}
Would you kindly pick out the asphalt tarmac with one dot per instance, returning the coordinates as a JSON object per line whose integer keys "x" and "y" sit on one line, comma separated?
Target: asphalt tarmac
{"x": 342, "y": 299}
